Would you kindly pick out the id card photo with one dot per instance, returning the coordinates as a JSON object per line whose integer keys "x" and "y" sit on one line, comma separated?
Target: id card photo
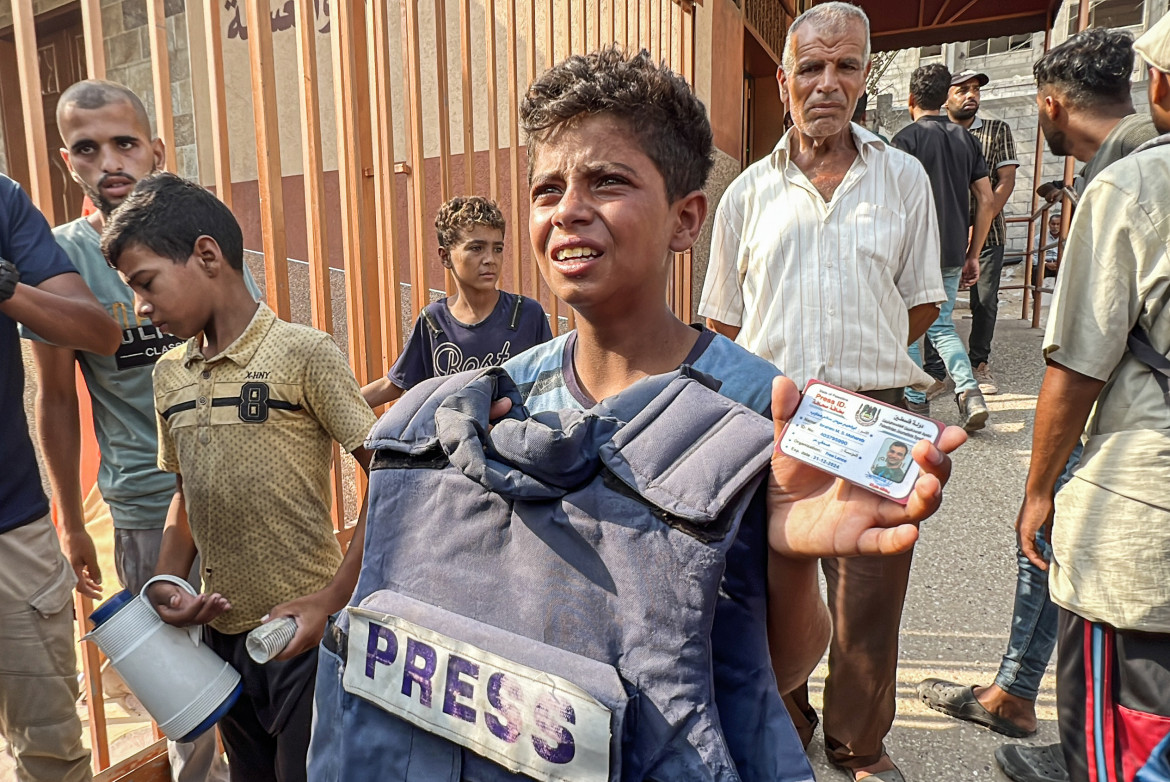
{"x": 864, "y": 441}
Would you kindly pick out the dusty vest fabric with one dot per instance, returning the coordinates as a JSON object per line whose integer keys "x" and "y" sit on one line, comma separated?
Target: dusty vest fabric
{"x": 540, "y": 599}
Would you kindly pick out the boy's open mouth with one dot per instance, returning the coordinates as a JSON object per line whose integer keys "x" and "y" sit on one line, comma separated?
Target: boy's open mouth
{"x": 575, "y": 261}
{"x": 576, "y": 253}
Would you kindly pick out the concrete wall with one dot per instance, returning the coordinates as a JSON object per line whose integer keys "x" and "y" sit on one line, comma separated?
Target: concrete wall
{"x": 128, "y": 62}
{"x": 124, "y": 24}
{"x": 1011, "y": 97}
{"x": 39, "y": 7}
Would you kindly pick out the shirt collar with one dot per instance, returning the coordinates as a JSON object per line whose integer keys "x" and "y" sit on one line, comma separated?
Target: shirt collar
{"x": 866, "y": 143}
{"x": 976, "y": 123}
{"x": 244, "y": 346}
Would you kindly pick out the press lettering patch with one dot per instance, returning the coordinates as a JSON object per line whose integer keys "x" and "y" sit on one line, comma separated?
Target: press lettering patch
{"x": 530, "y": 722}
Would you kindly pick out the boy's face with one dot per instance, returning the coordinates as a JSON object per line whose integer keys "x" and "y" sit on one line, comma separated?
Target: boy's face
{"x": 107, "y": 151}
{"x": 475, "y": 259}
{"x": 601, "y": 225}
{"x": 173, "y": 296}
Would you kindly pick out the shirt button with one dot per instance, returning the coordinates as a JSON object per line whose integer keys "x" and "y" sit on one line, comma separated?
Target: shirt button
{"x": 202, "y": 400}
{"x": 204, "y": 436}
{"x": 206, "y": 374}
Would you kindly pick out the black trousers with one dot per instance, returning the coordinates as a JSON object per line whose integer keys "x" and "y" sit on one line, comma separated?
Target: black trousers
{"x": 985, "y": 305}
{"x": 266, "y": 733}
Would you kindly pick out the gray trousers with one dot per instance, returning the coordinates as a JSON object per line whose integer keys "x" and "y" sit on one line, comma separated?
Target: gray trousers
{"x": 135, "y": 557}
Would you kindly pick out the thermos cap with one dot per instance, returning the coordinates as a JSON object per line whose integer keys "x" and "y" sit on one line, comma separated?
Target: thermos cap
{"x": 106, "y": 610}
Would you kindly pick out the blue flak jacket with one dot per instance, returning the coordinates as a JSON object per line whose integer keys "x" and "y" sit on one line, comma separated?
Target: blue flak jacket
{"x": 576, "y": 595}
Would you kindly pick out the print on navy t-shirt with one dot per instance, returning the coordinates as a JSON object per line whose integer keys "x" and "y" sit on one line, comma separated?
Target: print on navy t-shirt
{"x": 441, "y": 345}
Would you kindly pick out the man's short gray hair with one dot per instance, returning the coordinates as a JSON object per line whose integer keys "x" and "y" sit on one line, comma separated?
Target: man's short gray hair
{"x": 834, "y": 16}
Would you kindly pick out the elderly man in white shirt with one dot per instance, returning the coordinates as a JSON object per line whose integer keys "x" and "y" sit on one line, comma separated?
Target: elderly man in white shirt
{"x": 825, "y": 261}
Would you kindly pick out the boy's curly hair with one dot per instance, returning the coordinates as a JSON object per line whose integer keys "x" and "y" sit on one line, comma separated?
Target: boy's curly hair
{"x": 658, "y": 105}
{"x": 463, "y": 212}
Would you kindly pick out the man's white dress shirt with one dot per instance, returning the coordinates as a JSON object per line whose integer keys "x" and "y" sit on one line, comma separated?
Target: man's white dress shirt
{"x": 822, "y": 290}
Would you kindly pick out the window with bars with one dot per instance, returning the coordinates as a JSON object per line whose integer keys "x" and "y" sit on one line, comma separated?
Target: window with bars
{"x": 1108, "y": 13}
{"x": 1000, "y": 45}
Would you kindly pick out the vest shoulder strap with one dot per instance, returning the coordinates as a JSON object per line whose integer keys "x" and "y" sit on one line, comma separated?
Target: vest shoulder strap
{"x": 691, "y": 451}
{"x": 1141, "y": 348}
{"x": 672, "y": 440}
{"x": 408, "y": 427}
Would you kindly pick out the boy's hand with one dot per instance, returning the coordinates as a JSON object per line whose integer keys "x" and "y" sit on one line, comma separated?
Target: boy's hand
{"x": 311, "y": 613}
{"x": 814, "y": 514}
{"x": 178, "y": 607}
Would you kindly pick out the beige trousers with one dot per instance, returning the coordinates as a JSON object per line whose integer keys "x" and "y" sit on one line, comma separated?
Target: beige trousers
{"x": 38, "y": 660}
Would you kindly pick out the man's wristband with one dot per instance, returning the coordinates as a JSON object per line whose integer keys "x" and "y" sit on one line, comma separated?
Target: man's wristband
{"x": 9, "y": 277}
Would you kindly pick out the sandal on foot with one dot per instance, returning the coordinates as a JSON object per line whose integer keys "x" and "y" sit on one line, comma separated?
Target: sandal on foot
{"x": 889, "y": 775}
{"x": 1023, "y": 763}
{"x": 959, "y": 701}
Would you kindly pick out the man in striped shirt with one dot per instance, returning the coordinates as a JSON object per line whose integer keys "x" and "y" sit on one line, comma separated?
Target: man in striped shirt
{"x": 824, "y": 260}
{"x": 999, "y": 150}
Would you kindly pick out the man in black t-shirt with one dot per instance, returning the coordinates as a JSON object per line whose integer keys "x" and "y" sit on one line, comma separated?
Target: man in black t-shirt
{"x": 954, "y": 162}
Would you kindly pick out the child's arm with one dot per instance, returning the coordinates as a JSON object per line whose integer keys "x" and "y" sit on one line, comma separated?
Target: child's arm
{"x": 175, "y": 605}
{"x": 380, "y": 392}
{"x": 413, "y": 365}
{"x": 814, "y": 514}
{"x": 59, "y": 432}
{"x": 313, "y": 611}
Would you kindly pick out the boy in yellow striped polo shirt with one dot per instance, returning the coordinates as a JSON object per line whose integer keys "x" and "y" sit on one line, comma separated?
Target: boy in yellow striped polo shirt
{"x": 248, "y": 408}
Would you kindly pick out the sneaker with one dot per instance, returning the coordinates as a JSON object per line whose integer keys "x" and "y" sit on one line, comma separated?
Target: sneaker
{"x": 939, "y": 388}
{"x": 1024, "y": 763}
{"x": 973, "y": 410}
{"x": 918, "y": 408}
{"x": 985, "y": 380}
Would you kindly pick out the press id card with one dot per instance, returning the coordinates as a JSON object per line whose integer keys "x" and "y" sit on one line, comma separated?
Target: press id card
{"x": 861, "y": 440}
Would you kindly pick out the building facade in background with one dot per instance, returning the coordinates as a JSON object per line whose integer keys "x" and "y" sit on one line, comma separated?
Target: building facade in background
{"x": 1011, "y": 94}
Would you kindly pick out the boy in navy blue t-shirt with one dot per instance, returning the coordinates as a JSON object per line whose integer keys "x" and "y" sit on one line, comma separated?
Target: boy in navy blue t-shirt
{"x": 479, "y": 326}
